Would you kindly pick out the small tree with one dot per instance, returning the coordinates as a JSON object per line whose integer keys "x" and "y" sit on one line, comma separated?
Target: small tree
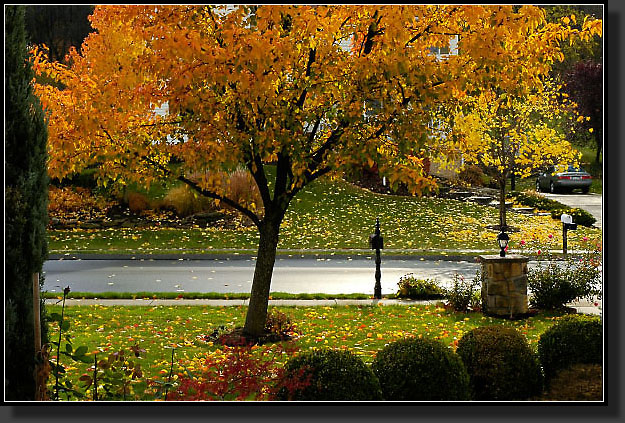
{"x": 508, "y": 133}
{"x": 25, "y": 201}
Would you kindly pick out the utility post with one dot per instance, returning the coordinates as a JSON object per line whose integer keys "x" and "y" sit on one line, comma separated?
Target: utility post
{"x": 567, "y": 225}
{"x": 376, "y": 242}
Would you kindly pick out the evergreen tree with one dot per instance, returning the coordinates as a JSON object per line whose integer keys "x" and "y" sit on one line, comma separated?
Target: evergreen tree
{"x": 26, "y": 188}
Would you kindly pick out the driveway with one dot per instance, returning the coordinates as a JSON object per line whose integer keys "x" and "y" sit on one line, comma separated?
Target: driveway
{"x": 592, "y": 203}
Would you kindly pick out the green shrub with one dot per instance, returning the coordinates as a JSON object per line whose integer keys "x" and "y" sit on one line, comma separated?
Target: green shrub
{"x": 537, "y": 201}
{"x": 550, "y": 286}
{"x": 500, "y": 364}
{"x": 553, "y": 285}
{"x": 581, "y": 217}
{"x": 418, "y": 289}
{"x": 421, "y": 369}
{"x": 462, "y": 294}
{"x": 573, "y": 339}
{"x": 329, "y": 375}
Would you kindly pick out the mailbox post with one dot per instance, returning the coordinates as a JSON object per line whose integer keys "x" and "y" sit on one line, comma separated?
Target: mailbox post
{"x": 567, "y": 225}
{"x": 376, "y": 242}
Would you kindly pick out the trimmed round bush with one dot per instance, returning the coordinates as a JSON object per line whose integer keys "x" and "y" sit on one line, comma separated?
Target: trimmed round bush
{"x": 421, "y": 370}
{"x": 573, "y": 339}
{"x": 500, "y": 364}
{"x": 329, "y": 375}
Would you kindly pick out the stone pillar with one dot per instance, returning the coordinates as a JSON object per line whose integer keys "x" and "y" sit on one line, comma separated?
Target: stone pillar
{"x": 504, "y": 285}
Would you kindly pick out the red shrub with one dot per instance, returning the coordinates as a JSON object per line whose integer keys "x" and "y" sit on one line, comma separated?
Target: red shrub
{"x": 240, "y": 373}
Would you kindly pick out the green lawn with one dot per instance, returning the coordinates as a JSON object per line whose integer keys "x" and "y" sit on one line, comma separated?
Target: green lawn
{"x": 335, "y": 216}
{"x": 363, "y": 330}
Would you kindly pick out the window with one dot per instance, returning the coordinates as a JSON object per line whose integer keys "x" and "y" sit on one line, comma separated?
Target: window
{"x": 449, "y": 50}
{"x": 439, "y": 50}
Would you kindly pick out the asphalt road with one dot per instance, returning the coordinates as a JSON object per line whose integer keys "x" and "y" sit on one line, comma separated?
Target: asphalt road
{"x": 293, "y": 275}
{"x": 592, "y": 203}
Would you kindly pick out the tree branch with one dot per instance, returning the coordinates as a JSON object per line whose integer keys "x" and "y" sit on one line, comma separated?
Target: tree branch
{"x": 335, "y": 136}
{"x": 210, "y": 194}
{"x": 309, "y": 177}
{"x": 194, "y": 185}
{"x": 256, "y": 168}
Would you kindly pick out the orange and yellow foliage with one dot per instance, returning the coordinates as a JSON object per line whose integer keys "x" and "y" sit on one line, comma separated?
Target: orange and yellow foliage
{"x": 287, "y": 85}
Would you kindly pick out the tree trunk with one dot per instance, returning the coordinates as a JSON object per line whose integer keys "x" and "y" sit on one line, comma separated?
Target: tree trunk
{"x": 259, "y": 298}
{"x": 502, "y": 204}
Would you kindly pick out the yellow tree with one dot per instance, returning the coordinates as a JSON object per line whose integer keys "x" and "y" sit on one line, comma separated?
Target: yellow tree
{"x": 280, "y": 87}
{"x": 507, "y": 134}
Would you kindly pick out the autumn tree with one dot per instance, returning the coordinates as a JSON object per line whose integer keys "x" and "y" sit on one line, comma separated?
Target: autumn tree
{"x": 507, "y": 134}
{"x": 577, "y": 50}
{"x": 278, "y": 90}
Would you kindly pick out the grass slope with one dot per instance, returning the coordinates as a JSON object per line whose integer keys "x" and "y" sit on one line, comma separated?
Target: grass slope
{"x": 336, "y": 216}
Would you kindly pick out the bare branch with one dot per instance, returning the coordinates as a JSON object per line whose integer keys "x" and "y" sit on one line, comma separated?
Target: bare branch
{"x": 211, "y": 194}
{"x": 195, "y": 186}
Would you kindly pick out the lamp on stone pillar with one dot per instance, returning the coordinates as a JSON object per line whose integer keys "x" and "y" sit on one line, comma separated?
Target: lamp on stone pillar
{"x": 503, "y": 239}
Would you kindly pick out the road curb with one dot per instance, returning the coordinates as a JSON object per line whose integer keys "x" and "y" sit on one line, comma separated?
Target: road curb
{"x": 245, "y": 256}
{"x": 469, "y": 256}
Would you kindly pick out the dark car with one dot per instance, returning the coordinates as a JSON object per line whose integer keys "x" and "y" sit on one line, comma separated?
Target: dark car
{"x": 563, "y": 178}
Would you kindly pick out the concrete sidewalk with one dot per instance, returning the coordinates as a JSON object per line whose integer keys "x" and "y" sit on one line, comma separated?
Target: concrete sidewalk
{"x": 582, "y": 307}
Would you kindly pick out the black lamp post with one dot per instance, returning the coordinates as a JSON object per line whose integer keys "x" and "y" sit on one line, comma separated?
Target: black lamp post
{"x": 376, "y": 242}
{"x": 503, "y": 239}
